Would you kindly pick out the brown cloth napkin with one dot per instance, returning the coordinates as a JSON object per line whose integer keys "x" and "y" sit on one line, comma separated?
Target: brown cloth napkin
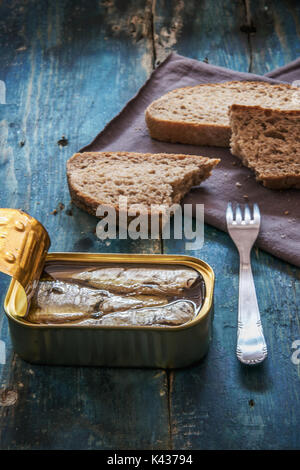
{"x": 280, "y": 228}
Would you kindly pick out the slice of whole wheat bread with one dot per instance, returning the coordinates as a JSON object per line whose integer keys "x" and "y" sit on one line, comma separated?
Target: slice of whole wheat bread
{"x": 198, "y": 115}
{"x": 99, "y": 178}
{"x": 268, "y": 141}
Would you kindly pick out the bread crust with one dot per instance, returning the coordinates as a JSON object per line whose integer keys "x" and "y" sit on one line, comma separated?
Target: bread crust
{"x": 188, "y": 133}
{"x": 209, "y": 134}
{"x": 288, "y": 112}
{"x": 291, "y": 181}
{"x": 90, "y": 204}
{"x": 288, "y": 182}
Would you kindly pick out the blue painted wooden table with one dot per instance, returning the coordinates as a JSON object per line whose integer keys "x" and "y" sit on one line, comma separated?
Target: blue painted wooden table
{"x": 69, "y": 67}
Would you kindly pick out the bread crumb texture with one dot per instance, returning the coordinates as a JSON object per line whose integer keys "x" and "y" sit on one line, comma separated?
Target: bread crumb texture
{"x": 268, "y": 141}
{"x": 100, "y": 178}
{"x": 198, "y": 115}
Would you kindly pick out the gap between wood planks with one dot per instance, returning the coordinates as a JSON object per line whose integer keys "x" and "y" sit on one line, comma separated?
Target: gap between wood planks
{"x": 164, "y": 40}
{"x": 249, "y": 29}
{"x": 160, "y": 48}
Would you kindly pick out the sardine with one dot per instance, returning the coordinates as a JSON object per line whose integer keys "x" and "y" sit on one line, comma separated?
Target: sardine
{"x": 176, "y": 313}
{"x": 139, "y": 280}
{"x": 117, "y": 303}
{"x": 55, "y": 318}
{"x": 60, "y": 302}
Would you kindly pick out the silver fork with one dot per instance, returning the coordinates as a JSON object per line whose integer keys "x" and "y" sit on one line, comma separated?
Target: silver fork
{"x": 243, "y": 229}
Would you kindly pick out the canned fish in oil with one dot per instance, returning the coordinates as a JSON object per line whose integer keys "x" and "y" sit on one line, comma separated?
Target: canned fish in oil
{"x": 158, "y": 308}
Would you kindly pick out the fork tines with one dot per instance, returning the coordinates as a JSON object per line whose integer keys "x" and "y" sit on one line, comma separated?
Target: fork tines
{"x": 242, "y": 214}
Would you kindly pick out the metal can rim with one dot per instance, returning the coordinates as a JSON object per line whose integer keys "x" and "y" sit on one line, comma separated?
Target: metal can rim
{"x": 206, "y": 271}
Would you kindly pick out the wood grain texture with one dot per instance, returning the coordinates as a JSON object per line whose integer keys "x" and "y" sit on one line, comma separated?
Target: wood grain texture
{"x": 69, "y": 67}
{"x": 221, "y": 404}
{"x": 276, "y": 40}
{"x": 205, "y": 30}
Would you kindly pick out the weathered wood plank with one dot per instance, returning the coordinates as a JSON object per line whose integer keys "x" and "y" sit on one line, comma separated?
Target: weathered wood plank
{"x": 219, "y": 404}
{"x": 202, "y": 30}
{"x": 275, "y": 40}
{"x": 69, "y": 67}
{"x": 83, "y": 408}
{"x": 78, "y": 63}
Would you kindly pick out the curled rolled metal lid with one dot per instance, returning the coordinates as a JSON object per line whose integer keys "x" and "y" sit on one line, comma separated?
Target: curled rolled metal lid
{"x": 24, "y": 244}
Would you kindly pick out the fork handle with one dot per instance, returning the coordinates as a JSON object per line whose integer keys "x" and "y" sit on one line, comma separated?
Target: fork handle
{"x": 251, "y": 344}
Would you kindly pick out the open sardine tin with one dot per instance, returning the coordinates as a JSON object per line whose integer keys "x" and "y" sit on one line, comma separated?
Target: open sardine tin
{"x": 24, "y": 245}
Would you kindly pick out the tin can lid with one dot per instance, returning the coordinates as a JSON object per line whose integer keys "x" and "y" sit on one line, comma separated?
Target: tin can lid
{"x": 24, "y": 244}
